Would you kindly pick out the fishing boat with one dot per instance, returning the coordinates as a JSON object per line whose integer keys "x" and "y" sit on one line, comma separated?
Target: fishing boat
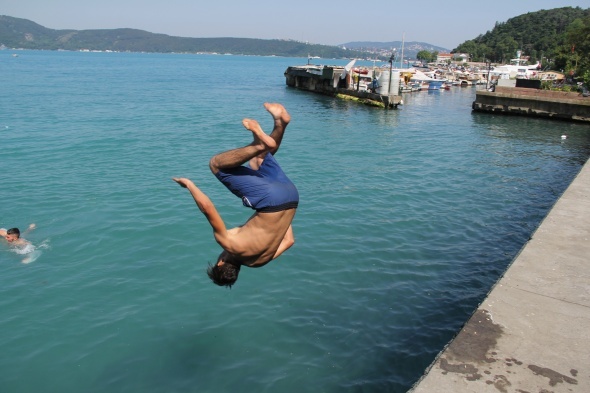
{"x": 428, "y": 82}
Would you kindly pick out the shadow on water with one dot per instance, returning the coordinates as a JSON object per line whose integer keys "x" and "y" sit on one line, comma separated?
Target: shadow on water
{"x": 181, "y": 360}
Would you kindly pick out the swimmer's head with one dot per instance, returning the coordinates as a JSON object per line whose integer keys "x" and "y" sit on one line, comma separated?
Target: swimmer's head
{"x": 12, "y": 234}
{"x": 224, "y": 273}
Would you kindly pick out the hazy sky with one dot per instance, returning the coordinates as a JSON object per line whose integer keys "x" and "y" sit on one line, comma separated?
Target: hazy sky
{"x": 442, "y": 23}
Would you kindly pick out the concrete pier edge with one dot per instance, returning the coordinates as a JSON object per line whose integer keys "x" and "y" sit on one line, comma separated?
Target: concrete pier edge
{"x": 531, "y": 333}
{"x": 568, "y": 106}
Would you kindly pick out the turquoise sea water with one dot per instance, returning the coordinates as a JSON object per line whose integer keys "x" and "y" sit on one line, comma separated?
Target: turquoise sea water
{"x": 407, "y": 218}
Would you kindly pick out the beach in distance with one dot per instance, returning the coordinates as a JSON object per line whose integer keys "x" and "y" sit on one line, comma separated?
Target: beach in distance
{"x": 406, "y": 219}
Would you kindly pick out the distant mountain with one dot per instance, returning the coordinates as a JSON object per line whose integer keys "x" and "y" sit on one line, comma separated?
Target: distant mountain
{"x": 25, "y": 34}
{"x": 411, "y": 48}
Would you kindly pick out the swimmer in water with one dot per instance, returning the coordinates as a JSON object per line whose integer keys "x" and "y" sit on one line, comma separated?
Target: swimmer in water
{"x": 12, "y": 236}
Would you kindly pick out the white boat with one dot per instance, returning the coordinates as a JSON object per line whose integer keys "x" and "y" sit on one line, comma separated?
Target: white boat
{"x": 518, "y": 68}
{"x": 428, "y": 82}
{"x": 410, "y": 87}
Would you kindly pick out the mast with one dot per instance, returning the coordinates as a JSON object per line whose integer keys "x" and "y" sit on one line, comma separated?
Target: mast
{"x": 402, "y": 61}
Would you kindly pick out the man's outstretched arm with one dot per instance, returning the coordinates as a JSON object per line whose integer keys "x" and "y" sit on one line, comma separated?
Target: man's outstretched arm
{"x": 286, "y": 243}
{"x": 208, "y": 209}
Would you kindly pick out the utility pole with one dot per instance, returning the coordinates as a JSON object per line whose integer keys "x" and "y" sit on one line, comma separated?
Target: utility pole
{"x": 391, "y": 59}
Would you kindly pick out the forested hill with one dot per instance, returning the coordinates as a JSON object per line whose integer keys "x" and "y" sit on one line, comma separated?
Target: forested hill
{"x": 25, "y": 34}
{"x": 544, "y": 33}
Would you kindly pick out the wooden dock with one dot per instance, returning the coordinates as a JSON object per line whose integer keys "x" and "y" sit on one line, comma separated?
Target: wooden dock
{"x": 333, "y": 81}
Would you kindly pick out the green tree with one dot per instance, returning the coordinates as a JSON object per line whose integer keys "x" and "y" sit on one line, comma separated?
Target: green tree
{"x": 424, "y": 55}
{"x": 506, "y": 48}
{"x": 469, "y": 46}
{"x": 578, "y": 38}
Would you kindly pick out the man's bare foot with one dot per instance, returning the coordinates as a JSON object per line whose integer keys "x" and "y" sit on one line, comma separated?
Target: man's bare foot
{"x": 259, "y": 136}
{"x": 278, "y": 112}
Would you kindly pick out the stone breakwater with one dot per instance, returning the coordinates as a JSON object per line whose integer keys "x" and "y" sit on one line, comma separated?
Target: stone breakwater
{"x": 533, "y": 102}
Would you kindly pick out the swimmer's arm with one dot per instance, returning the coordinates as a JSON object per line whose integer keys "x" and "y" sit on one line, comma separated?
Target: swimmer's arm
{"x": 286, "y": 243}
{"x": 30, "y": 228}
{"x": 208, "y": 209}
{"x": 3, "y": 232}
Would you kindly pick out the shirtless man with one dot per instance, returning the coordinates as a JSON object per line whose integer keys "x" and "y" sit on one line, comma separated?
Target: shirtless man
{"x": 263, "y": 187}
{"x": 12, "y": 235}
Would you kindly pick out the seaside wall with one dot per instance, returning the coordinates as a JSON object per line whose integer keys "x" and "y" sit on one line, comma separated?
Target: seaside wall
{"x": 533, "y": 102}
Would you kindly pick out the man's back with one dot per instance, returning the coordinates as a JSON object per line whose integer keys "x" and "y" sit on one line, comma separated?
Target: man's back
{"x": 257, "y": 241}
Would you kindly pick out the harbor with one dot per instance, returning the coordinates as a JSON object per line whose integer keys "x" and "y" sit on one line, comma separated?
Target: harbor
{"x": 376, "y": 86}
{"x": 500, "y": 90}
{"x": 531, "y": 333}
{"x": 380, "y": 86}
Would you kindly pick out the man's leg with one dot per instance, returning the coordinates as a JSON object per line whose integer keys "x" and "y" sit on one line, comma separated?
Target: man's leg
{"x": 236, "y": 157}
{"x": 281, "y": 119}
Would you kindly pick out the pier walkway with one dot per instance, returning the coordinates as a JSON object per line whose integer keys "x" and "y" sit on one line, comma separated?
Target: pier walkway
{"x": 532, "y": 332}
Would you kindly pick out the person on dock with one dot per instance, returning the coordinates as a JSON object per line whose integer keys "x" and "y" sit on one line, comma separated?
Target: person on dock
{"x": 264, "y": 187}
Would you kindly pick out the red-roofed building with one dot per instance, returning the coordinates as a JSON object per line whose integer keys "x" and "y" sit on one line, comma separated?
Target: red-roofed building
{"x": 443, "y": 58}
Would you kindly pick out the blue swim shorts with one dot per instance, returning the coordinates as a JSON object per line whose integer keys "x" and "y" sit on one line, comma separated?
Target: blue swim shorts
{"x": 266, "y": 190}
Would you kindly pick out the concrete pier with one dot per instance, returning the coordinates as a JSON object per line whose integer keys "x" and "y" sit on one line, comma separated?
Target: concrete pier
{"x": 532, "y": 332}
{"x": 533, "y": 102}
{"x": 327, "y": 80}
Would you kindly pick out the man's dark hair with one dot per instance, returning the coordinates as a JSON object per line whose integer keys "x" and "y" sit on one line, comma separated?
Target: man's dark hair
{"x": 224, "y": 275}
{"x": 13, "y": 231}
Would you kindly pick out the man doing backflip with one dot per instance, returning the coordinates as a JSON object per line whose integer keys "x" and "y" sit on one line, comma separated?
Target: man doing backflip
{"x": 263, "y": 187}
